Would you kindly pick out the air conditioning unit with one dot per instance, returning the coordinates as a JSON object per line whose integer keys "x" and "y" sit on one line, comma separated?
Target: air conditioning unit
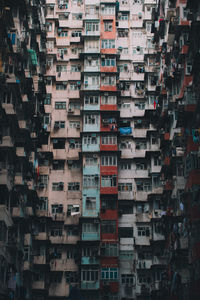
{"x": 77, "y": 125}
{"x": 89, "y": 58}
{"x": 65, "y": 82}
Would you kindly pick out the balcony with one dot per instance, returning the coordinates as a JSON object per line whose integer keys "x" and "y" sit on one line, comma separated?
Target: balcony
{"x": 93, "y": 285}
{"x": 58, "y": 289}
{"x": 38, "y": 285}
{"x": 91, "y": 68}
{"x": 6, "y": 178}
{"x": 91, "y": 170}
{"x": 90, "y": 236}
{"x": 91, "y": 147}
{"x": 91, "y": 87}
{"x": 144, "y": 264}
{"x": 87, "y": 33}
{"x": 7, "y": 142}
{"x": 40, "y": 260}
{"x": 159, "y": 260}
{"x": 143, "y": 217}
{"x": 89, "y": 260}
{"x": 126, "y": 195}
{"x": 18, "y": 212}
{"x": 41, "y": 236}
{"x": 91, "y": 127}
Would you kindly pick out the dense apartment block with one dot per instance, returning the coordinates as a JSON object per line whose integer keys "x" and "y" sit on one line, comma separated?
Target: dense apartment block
{"x": 99, "y": 142}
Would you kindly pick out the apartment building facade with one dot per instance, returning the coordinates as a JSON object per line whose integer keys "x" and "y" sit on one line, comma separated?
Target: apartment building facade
{"x": 100, "y": 136}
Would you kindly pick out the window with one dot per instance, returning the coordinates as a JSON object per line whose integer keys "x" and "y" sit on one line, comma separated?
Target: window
{"x": 74, "y": 124}
{"x": 90, "y": 203}
{"x": 108, "y": 44}
{"x": 71, "y": 253}
{"x": 43, "y": 203}
{"x": 109, "y": 140}
{"x": 91, "y": 80}
{"x": 126, "y": 208}
{"x": 61, "y": 52}
{"x": 143, "y": 185}
{"x": 47, "y": 99}
{"x": 77, "y": 16}
{"x": 109, "y": 80}
{"x": 108, "y": 160}
{"x": 108, "y": 204}
{"x": 143, "y": 278}
{"x": 56, "y": 231}
{"x": 125, "y": 232}
{"x": 60, "y": 105}
{"x": 76, "y": 33}
{"x": 108, "y": 25}
{"x": 91, "y": 26}
{"x": 56, "y": 208}
{"x": 142, "y": 208}
{"x": 143, "y": 231}
{"x": 92, "y": 45}
{"x": 140, "y": 105}
{"x": 90, "y": 251}
{"x": 90, "y": 161}
{"x": 72, "y": 210}
{"x": 108, "y": 180}
{"x": 109, "y": 100}
{"x": 73, "y": 186}
{"x": 109, "y": 273}
{"x": 108, "y": 10}
{"x": 156, "y": 180}
{"x": 90, "y": 180}
{"x": 91, "y": 119}
{"x": 157, "y": 161}
{"x": 125, "y": 145}
{"x": 141, "y": 165}
{"x": 89, "y": 275}
{"x": 46, "y": 119}
{"x": 58, "y": 164}
{"x": 92, "y": 100}
{"x": 108, "y": 62}
{"x": 57, "y": 186}
{"x": 125, "y": 166}
{"x": 62, "y": 32}
{"x": 123, "y": 17}
{"x": 58, "y": 143}
{"x": 48, "y": 26}
{"x": 90, "y": 140}
{"x": 74, "y": 144}
{"x": 74, "y": 87}
{"x": 109, "y": 249}
{"x": 61, "y": 68}
{"x": 72, "y": 231}
{"x": 71, "y": 277}
{"x": 75, "y": 68}
{"x": 43, "y": 179}
{"x": 127, "y": 279}
{"x": 108, "y": 226}
{"x": 59, "y": 124}
{"x": 61, "y": 86}
{"x": 141, "y": 145}
{"x": 125, "y": 187}
{"x": 90, "y": 228}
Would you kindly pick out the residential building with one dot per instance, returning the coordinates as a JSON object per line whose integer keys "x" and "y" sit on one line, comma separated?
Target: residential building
{"x": 99, "y": 144}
